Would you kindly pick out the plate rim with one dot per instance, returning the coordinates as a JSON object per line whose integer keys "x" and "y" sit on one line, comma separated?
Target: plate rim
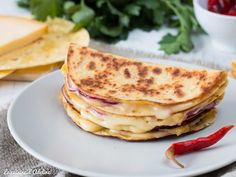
{"x": 67, "y": 168}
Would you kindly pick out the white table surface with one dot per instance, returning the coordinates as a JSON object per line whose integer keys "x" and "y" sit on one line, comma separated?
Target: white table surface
{"x": 9, "y": 89}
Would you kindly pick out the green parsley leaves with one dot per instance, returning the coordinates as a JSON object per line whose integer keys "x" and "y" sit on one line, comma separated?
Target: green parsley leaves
{"x": 111, "y": 20}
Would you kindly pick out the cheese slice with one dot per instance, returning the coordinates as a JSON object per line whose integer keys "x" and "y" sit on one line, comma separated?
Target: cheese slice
{"x": 16, "y": 32}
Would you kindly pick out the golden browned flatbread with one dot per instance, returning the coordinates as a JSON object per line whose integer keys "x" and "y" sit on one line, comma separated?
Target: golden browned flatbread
{"x": 117, "y": 78}
{"x": 101, "y": 79}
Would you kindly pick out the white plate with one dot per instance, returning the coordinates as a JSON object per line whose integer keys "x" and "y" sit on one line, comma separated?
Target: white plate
{"x": 39, "y": 124}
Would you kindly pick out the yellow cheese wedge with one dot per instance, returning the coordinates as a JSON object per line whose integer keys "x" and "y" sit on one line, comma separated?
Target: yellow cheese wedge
{"x": 5, "y": 73}
{"x": 16, "y": 32}
{"x": 50, "y": 48}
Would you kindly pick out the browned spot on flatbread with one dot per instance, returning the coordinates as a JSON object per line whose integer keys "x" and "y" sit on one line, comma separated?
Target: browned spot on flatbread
{"x": 203, "y": 76}
{"x": 91, "y": 90}
{"x": 128, "y": 87}
{"x": 179, "y": 92}
{"x": 178, "y": 86}
{"x": 165, "y": 87}
{"x": 142, "y": 71}
{"x": 115, "y": 64}
{"x": 207, "y": 86}
{"x": 161, "y": 87}
{"x": 101, "y": 76}
{"x": 140, "y": 88}
{"x": 145, "y": 90}
{"x": 187, "y": 74}
{"x": 176, "y": 72}
{"x": 169, "y": 99}
{"x": 205, "y": 89}
{"x": 168, "y": 69}
{"x": 83, "y": 51}
{"x": 14, "y": 59}
{"x": 95, "y": 54}
{"x": 127, "y": 73}
{"x": 146, "y": 82}
{"x": 92, "y": 83}
{"x": 135, "y": 63}
{"x": 91, "y": 65}
{"x": 157, "y": 70}
{"x": 112, "y": 91}
{"x": 88, "y": 82}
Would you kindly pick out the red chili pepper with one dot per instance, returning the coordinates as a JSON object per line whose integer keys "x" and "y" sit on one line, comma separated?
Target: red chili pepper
{"x": 196, "y": 144}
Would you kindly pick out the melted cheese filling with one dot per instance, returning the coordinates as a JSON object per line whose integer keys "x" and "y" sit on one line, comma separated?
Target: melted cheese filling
{"x": 126, "y": 123}
{"x": 199, "y": 123}
{"x": 202, "y": 122}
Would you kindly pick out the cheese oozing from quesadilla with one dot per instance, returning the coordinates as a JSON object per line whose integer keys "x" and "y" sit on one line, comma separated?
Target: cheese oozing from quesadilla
{"x": 137, "y": 124}
{"x": 204, "y": 120}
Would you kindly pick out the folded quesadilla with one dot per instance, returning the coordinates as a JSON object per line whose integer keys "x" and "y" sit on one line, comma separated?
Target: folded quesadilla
{"x": 110, "y": 95}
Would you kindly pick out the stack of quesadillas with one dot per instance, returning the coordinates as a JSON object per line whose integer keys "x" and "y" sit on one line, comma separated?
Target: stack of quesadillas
{"x": 114, "y": 96}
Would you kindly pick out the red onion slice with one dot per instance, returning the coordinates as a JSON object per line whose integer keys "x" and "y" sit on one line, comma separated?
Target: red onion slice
{"x": 96, "y": 111}
{"x": 68, "y": 84}
{"x": 78, "y": 91}
{"x": 68, "y": 101}
{"x": 65, "y": 96}
{"x": 211, "y": 105}
{"x": 198, "y": 111}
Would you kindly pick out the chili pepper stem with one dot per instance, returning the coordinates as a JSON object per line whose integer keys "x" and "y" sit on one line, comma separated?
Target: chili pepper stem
{"x": 196, "y": 144}
{"x": 170, "y": 155}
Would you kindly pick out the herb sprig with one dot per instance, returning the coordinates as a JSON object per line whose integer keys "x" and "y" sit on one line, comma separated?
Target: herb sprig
{"x": 111, "y": 20}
